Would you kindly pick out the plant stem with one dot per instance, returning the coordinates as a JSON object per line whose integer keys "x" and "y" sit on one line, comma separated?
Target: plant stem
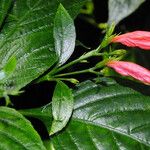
{"x": 72, "y": 73}
{"x": 83, "y": 57}
{"x": 72, "y": 80}
{"x": 89, "y": 70}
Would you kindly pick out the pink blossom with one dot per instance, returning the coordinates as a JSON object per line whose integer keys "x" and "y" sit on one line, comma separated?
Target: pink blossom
{"x": 131, "y": 69}
{"x": 139, "y": 39}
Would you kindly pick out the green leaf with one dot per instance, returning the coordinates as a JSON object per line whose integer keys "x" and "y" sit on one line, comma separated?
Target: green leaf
{"x": 4, "y": 7}
{"x": 120, "y": 9}
{"x": 64, "y": 34}
{"x": 28, "y": 36}
{"x": 16, "y": 132}
{"x": 62, "y": 107}
{"x": 106, "y": 116}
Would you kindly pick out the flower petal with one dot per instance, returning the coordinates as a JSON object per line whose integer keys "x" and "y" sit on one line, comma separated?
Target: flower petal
{"x": 131, "y": 69}
{"x": 139, "y": 39}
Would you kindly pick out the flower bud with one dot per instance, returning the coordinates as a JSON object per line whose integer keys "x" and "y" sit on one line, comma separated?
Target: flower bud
{"x": 131, "y": 69}
{"x": 139, "y": 39}
{"x": 74, "y": 81}
{"x": 119, "y": 52}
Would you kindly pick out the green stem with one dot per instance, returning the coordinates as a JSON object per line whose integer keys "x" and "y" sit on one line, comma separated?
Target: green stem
{"x": 56, "y": 70}
{"x": 89, "y": 70}
{"x": 72, "y": 80}
{"x": 98, "y": 49}
{"x": 45, "y": 78}
{"x": 83, "y": 57}
{"x": 72, "y": 73}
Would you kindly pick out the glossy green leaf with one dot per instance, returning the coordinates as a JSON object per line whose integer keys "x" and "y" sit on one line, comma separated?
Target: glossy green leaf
{"x": 62, "y": 107}
{"x": 64, "y": 34}
{"x": 28, "y": 36}
{"x": 120, "y": 9}
{"x": 17, "y": 133}
{"x": 4, "y": 7}
{"x": 106, "y": 116}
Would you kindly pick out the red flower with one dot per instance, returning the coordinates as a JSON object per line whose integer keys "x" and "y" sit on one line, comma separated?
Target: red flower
{"x": 131, "y": 69}
{"x": 139, "y": 39}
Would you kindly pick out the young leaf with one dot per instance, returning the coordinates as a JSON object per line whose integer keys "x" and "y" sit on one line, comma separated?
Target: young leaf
{"x": 64, "y": 34}
{"x": 16, "y": 132}
{"x": 62, "y": 107}
{"x": 120, "y": 9}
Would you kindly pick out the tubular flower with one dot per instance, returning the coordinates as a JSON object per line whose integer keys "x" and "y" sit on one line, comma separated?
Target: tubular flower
{"x": 139, "y": 39}
{"x": 131, "y": 69}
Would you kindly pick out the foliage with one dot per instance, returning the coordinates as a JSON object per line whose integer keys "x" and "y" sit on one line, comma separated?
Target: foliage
{"x": 104, "y": 117}
{"x": 37, "y": 38}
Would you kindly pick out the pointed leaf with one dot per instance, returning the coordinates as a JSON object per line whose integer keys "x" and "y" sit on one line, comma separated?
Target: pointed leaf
{"x": 64, "y": 34}
{"x": 62, "y": 107}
